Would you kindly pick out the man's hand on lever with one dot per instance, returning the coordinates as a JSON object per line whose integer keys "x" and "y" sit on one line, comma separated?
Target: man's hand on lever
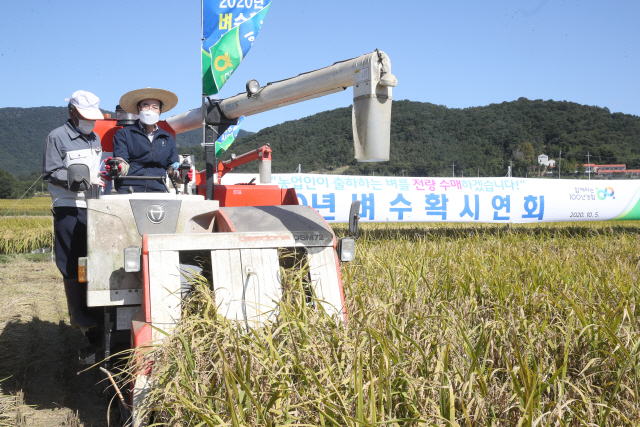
{"x": 116, "y": 167}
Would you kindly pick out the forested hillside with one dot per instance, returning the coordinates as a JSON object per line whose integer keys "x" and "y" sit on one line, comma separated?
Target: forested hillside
{"x": 23, "y": 132}
{"x": 426, "y": 139}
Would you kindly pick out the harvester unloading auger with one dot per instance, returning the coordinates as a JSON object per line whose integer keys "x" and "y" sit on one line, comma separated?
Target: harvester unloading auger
{"x": 141, "y": 244}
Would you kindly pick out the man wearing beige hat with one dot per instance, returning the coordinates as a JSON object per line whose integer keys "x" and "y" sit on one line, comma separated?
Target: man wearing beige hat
{"x": 143, "y": 148}
{"x": 73, "y": 143}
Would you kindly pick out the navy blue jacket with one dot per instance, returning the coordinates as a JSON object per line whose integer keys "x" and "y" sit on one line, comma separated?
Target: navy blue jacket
{"x": 144, "y": 158}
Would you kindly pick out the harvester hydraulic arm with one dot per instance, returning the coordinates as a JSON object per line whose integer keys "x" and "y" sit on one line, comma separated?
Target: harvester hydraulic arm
{"x": 261, "y": 154}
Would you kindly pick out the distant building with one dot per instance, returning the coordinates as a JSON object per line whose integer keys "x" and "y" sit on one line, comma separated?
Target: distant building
{"x": 611, "y": 170}
{"x": 544, "y": 160}
{"x": 590, "y": 167}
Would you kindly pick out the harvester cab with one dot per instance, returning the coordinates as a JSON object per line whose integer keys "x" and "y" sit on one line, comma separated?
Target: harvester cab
{"x": 144, "y": 247}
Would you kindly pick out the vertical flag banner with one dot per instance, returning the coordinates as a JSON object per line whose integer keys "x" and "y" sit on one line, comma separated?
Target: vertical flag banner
{"x": 229, "y": 28}
{"x": 227, "y": 138}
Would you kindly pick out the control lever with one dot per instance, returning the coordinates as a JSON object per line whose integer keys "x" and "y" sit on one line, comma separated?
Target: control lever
{"x": 172, "y": 176}
{"x": 185, "y": 167}
{"x": 113, "y": 168}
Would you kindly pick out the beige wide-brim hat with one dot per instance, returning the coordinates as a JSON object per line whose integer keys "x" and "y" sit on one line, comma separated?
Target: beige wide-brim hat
{"x": 129, "y": 101}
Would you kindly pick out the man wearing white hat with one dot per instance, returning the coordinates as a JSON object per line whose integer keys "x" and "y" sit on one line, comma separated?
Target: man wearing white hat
{"x": 143, "y": 148}
{"x": 73, "y": 143}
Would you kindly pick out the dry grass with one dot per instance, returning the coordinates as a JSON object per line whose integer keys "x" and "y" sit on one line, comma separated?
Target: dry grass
{"x": 448, "y": 325}
{"x": 39, "y": 349}
{"x": 12, "y": 410}
{"x": 24, "y": 234}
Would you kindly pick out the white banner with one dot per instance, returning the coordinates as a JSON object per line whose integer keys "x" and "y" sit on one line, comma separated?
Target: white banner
{"x": 507, "y": 200}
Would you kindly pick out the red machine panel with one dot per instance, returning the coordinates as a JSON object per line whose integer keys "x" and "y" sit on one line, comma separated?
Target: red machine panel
{"x": 252, "y": 195}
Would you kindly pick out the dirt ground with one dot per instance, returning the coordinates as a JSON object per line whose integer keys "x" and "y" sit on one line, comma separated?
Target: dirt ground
{"x": 39, "y": 349}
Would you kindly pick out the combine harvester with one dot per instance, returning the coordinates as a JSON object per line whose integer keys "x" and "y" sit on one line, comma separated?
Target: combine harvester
{"x": 141, "y": 244}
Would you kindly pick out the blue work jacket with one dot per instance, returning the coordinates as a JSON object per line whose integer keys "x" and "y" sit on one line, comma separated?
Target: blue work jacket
{"x": 144, "y": 157}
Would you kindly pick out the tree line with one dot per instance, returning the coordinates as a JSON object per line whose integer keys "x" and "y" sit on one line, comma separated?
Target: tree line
{"x": 426, "y": 140}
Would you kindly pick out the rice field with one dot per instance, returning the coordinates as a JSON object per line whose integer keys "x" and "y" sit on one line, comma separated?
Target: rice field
{"x": 449, "y": 325}
{"x": 33, "y": 206}
{"x": 19, "y": 234}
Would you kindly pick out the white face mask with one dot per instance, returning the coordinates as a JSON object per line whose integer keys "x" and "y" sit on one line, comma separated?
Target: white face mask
{"x": 86, "y": 126}
{"x": 149, "y": 117}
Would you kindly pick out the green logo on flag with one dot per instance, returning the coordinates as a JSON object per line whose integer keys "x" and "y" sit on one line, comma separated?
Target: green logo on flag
{"x": 223, "y": 59}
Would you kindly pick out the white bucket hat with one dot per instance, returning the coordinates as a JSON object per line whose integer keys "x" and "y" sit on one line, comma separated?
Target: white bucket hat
{"x": 87, "y": 105}
{"x": 129, "y": 101}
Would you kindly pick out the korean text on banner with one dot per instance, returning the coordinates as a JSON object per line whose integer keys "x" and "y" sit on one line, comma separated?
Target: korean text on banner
{"x": 228, "y": 137}
{"x": 482, "y": 200}
{"x": 229, "y": 28}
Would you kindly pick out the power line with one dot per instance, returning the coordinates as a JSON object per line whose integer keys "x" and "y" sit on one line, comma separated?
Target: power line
{"x": 25, "y": 193}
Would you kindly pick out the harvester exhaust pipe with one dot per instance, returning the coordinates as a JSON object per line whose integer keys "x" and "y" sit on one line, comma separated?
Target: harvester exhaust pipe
{"x": 372, "y": 81}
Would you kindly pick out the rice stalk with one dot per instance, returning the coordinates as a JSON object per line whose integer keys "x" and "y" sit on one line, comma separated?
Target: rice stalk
{"x": 449, "y": 325}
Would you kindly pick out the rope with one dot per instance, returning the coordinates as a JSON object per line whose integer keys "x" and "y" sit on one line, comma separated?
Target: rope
{"x": 25, "y": 193}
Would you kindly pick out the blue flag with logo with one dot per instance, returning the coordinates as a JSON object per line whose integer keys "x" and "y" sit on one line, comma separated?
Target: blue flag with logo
{"x": 229, "y": 28}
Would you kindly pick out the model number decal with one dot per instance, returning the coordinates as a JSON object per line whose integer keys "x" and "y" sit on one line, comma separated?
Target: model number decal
{"x": 310, "y": 237}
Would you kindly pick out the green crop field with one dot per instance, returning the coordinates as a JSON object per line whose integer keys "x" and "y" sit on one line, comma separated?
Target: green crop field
{"x": 32, "y": 206}
{"x": 19, "y": 234}
{"x": 449, "y": 325}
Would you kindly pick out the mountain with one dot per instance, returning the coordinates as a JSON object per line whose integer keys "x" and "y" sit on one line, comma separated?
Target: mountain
{"x": 426, "y": 139}
{"x": 23, "y": 132}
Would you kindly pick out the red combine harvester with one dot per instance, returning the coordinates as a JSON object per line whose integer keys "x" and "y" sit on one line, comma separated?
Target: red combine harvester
{"x": 142, "y": 247}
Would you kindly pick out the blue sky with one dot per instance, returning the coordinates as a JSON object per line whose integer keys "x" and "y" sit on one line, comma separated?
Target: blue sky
{"x": 454, "y": 53}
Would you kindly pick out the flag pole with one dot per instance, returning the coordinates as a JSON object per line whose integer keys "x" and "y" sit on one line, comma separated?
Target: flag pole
{"x": 210, "y": 170}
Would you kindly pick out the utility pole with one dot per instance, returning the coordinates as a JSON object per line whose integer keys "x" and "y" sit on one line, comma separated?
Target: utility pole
{"x": 560, "y": 165}
{"x": 478, "y": 172}
{"x": 453, "y": 165}
{"x": 588, "y": 165}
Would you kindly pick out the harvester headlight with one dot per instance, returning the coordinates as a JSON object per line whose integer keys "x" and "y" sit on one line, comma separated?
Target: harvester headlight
{"x": 253, "y": 87}
{"x": 132, "y": 259}
{"x": 347, "y": 249}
